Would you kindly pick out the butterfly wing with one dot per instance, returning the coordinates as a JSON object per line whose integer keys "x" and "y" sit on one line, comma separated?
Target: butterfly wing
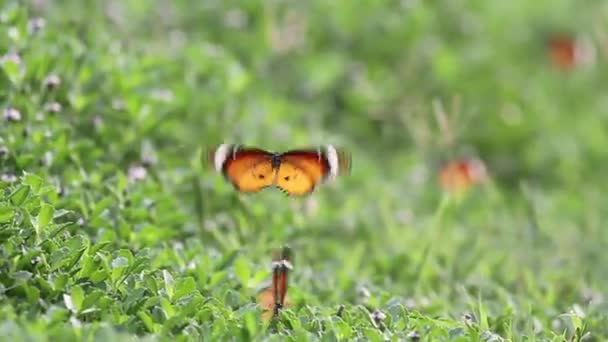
{"x": 460, "y": 175}
{"x": 302, "y": 170}
{"x": 299, "y": 173}
{"x": 248, "y": 169}
{"x": 266, "y": 300}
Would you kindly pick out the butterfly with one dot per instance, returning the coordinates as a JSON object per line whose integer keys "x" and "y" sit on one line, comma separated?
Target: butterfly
{"x": 459, "y": 175}
{"x": 295, "y": 172}
{"x": 568, "y": 51}
{"x": 562, "y": 51}
{"x": 274, "y": 298}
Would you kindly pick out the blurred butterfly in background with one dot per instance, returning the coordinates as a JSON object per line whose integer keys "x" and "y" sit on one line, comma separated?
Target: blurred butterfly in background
{"x": 459, "y": 175}
{"x": 295, "y": 172}
{"x": 567, "y": 51}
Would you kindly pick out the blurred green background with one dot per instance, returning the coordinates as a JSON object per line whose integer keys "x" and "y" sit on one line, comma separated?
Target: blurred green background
{"x": 111, "y": 226}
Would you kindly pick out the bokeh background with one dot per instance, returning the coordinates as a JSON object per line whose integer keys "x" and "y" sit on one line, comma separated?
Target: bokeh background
{"x": 109, "y": 105}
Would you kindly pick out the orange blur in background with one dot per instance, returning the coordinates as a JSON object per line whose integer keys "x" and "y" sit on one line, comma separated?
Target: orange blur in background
{"x": 567, "y": 52}
{"x": 460, "y": 175}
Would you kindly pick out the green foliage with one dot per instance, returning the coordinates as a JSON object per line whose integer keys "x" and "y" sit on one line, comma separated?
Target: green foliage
{"x": 111, "y": 227}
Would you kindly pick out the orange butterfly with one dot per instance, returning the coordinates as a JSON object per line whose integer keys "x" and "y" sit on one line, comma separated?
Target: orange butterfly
{"x": 295, "y": 172}
{"x": 567, "y": 51}
{"x": 274, "y": 298}
{"x": 460, "y": 175}
{"x": 562, "y": 51}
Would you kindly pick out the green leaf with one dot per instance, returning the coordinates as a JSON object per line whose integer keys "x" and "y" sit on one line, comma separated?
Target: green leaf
{"x": 101, "y": 206}
{"x": 135, "y": 299}
{"x": 169, "y": 283}
{"x": 119, "y": 267}
{"x": 184, "y": 286}
{"x": 88, "y": 265}
{"x": 99, "y": 276}
{"x": 13, "y": 70}
{"x": 77, "y": 295}
{"x": 251, "y": 323}
{"x": 193, "y": 304}
{"x": 19, "y": 196}
{"x": 343, "y": 330}
{"x": 6, "y": 214}
{"x": 217, "y": 277}
{"x": 483, "y": 316}
{"x": 60, "y": 281}
{"x": 150, "y": 283}
{"x": 242, "y": 271}
{"x": 167, "y": 307}
{"x": 148, "y": 322}
{"x": 226, "y": 260}
{"x": 98, "y": 246}
{"x": 61, "y": 213}
{"x": 374, "y": 335}
{"x": 45, "y": 216}
{"x": 22, "y": 275}
{"x": 58, "y": 229}
{"x": 91, "y": 299}
{"x": 32, "y": 293}
{"x": 34, "y": 181}
{"x": 140, "y": 263}
{"x": 26, "y": 160}
{"x": 59, "y": 257}
{"x": 77, "y": 245}
{"x": 125, "y": 253}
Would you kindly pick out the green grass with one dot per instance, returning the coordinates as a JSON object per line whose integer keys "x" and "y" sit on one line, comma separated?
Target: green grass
{"x": 93, "y": 248}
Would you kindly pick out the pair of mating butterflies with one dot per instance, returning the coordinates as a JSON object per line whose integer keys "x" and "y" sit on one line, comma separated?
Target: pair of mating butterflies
{"x": 295, "y": 172}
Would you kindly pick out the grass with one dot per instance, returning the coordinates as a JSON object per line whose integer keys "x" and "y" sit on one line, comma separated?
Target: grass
{"x": 111, "y": 227}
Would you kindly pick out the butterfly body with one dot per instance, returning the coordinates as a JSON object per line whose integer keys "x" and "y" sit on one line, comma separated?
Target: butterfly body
{"x": 296, "y": 172}
{"x": 275, "y": 160}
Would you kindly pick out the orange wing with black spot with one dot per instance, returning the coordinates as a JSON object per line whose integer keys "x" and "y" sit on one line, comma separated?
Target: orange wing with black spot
{"x": 302, "y": 170}
{"x": 248, "y": 169}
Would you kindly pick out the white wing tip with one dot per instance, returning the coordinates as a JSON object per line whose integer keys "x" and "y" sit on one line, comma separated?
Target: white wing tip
{"x": 332, "y": 159}
{"x": 220, "y": 155}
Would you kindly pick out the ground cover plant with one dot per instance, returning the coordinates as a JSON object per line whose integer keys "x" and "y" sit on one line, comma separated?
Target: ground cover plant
{"x": 113, "y": 228}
